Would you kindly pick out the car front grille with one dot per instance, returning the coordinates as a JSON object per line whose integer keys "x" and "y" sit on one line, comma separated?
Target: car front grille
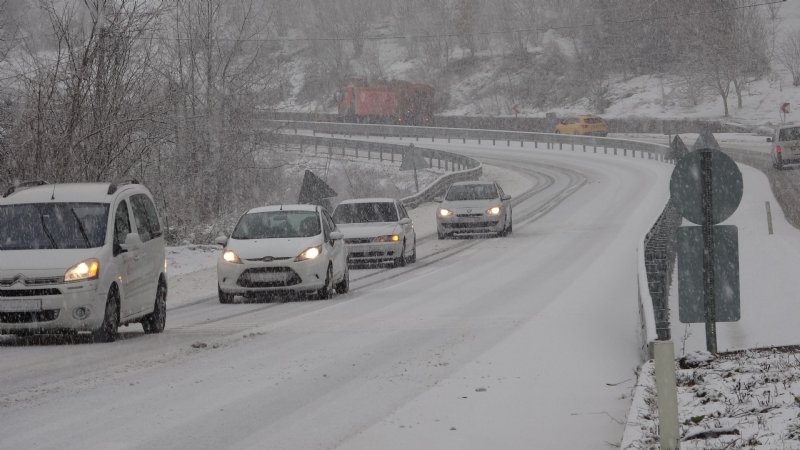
{"x": 268, "y": 277}
{"x": 376, "y": 254}
{"x": 470, "y": 215}
{"x": 47, "y": 315}
{"x": 358, "y": 241}
{"x": 32, "y": 281}
{"x": 28, "y": 292}
{"x": 468, "y": 225}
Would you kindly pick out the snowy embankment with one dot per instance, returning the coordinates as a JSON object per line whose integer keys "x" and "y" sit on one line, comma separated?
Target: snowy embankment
{"x": 754, "y": 393}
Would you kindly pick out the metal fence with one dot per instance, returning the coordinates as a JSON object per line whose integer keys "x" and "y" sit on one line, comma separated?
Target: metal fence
{"x": 460, "y": 168}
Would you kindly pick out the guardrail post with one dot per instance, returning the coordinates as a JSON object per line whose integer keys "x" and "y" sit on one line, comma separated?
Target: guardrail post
{"x": 521, "y": 144}
{"x": 508, "y": 143}
{"x": 295, "y": 131}
{"x": 572, "y": 146}
{"x": 465, "y": 140}
{"x": 448, "y": 139}
{"x": 314, "y": 133}
{"x": 584, "y": 148}
{"x": 595, "y": 149}
{"x": 417, "y": 138}
{"x": 624, "y": 152}
{"x": 561, "y": 146}
{"x": 494, "y": 141}
{"x": 433, "y": 138}
{"x": 380, "y": 155}
{"x": 479, "y": 141}
{"x": 605, "y": 150}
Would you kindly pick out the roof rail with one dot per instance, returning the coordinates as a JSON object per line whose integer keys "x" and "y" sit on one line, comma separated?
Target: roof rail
{"x": 115, "y": 185}
{"x": 23, "y": 185}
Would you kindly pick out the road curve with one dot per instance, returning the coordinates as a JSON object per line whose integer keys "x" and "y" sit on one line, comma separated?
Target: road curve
{"x": 539, "y": 323}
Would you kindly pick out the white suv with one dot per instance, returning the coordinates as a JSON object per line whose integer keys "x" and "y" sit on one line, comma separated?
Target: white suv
{"x": 786, "y": 146}
{"x": 81, "y": 257}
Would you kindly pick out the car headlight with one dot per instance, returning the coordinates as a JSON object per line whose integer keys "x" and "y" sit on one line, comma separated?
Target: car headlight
{"x": 390, "y": 238}
{"x": 445, "y": 212}
{"x": 309, "y": 253}
{"x": 493, "y": 211}
{"x": 231, "y": 257}
{"x": 84, "y": 270}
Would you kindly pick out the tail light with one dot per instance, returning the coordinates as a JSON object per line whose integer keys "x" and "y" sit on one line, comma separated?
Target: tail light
{"x": 778, "y": 149}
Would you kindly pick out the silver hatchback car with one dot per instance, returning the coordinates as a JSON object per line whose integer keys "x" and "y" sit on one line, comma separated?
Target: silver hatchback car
{"x": 474, "y": 207}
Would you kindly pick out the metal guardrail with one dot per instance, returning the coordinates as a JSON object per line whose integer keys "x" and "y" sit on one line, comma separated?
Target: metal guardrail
{"x": 656, "y": 255}
{"x": 461, "y": 167}
{"x": 540, "y": 124}
{"x": 621, "y": 147}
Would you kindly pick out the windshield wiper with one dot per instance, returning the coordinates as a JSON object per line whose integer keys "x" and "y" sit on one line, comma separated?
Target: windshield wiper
{"x": 80, "y": 227}
{"x": 46, "y": 231}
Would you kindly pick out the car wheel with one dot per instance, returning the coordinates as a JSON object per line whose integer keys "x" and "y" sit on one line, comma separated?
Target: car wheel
{"x": 413, "y": 258}
{"x": 441, "y": 235}
{"x": 401, "y": 261}
{"x": 326, "y": 291}
{"x": 157, "y": 320}
{"x": 343, "y": 287}
{"x": 223, "y": 297}
{"x": 108, "y": 329}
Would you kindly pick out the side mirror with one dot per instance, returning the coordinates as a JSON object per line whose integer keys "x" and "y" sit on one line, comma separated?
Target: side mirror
{"x": 405, "y": 221}
{"x": 336, "y": 235}
{"x": 505, "y": 198}
{"x": 438, "y": 199}
{"x": 132, "y": 242}
{"x": 221, "y": 240}
{"x": 769, "y": 139}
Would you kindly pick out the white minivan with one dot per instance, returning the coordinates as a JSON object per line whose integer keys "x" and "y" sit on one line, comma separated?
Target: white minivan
{"x": 786, "y": 146}
{"x": 81, "y": 257}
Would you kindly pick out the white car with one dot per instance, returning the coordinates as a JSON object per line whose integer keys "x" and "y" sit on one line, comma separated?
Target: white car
{"x": 283, "y": 248}
{"x": 786, "y": 146}
{"x": 377, "y": 230}
{"x": 81, "y": 257}
{"x": 474, "y": 207}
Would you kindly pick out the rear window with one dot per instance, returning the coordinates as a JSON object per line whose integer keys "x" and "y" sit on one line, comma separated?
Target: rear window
{"x": 471, "y": 192}
{"x": 365, "y": 212}
{"x": 789, "y": 134}
{"x": 592, "y": 120}
{"x": 38, "y": 226}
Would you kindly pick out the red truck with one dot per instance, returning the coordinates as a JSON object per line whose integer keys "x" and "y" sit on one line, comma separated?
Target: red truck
{"x": 398, "y": 102}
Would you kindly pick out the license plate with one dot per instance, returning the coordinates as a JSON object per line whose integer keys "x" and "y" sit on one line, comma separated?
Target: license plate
{"x": 23, "y": 305}
{"x": 267, "y": 277}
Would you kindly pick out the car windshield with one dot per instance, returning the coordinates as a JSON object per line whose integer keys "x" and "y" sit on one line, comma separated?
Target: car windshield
{"x": 277, "y": 224}
{"x": 789, "y": 134}
{"x": 38, "y": 226}
{"x": 365, "y": 212}
{"x": 471, "y": 192}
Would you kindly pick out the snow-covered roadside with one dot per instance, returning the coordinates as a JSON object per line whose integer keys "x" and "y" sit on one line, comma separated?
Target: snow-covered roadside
{"x": 192, "y": 268}
{"x": 753, "y": 392}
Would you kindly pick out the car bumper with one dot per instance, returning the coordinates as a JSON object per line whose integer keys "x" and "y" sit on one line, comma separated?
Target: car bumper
{"x": 254, "y": 278}
{"x": 373, "y": 252}
{"x": 51, "y": 308}
{"x": 471, "y": 225}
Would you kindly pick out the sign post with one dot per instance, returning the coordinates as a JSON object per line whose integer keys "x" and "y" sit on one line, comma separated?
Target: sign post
{"x": 706, "y": 187}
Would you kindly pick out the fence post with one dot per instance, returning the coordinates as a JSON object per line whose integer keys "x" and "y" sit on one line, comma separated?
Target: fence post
{"x": 624, "y": 152}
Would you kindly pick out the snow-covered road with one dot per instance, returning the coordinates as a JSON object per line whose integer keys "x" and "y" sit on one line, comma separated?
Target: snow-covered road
{"x": 520, "y": 342}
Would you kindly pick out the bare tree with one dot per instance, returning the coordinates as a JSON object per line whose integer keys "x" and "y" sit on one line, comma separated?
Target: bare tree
{"x": 789, "y": 55}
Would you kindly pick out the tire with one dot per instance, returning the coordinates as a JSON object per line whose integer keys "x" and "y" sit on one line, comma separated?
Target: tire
{"x": 401, "y": 261}
{"x": 441, "y": 235}
{"x": 413, "y": 258}
{"x": 157, "y": 320}
{"x": 110, "y": 326}
{"x": 326, "y": 291}
{"x": 223, "y": 297}
{"x": 343, "y": 287}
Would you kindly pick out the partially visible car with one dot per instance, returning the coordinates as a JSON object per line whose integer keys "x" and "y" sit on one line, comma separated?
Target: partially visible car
{"x": 376, "y": 230}
{"x": 474, "y": 207}
{"x": 81, "y": 257}
{"x": 294, "y": 249}
{"x": 588, "y": 125}
{"x": 786, "y": 146}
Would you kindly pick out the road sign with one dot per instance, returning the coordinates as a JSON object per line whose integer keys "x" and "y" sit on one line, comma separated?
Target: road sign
{"x": 691, "y": 289}
{"x": 686, "y": 186}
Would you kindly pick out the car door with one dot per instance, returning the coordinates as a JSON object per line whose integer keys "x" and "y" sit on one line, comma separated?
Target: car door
{"x": 505, "y": 201}
{"x": 337, "y": 248}
{"x": 124, "y": 260}
{"x": 147, "y": 266}
{"x": 408, "y": 229}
